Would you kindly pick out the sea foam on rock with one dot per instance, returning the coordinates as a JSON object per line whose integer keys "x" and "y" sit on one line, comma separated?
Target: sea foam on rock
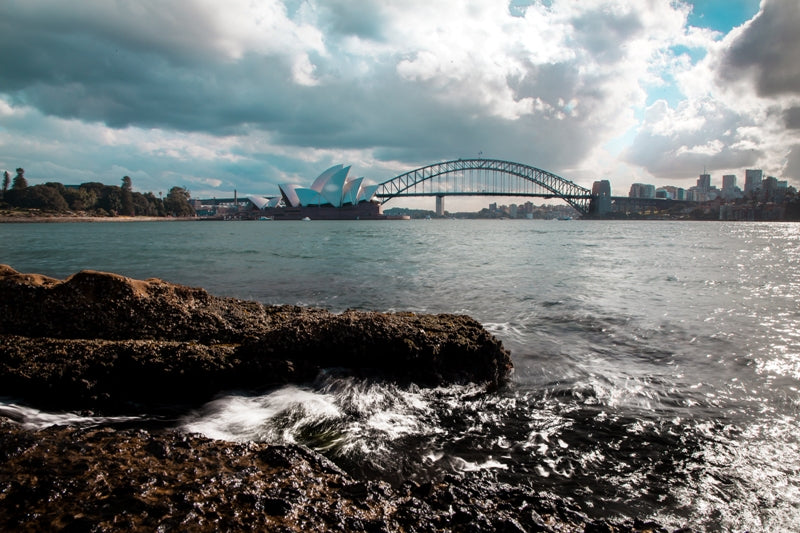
{"x": 102, "y": 341}
{"x": 107, "y": 343}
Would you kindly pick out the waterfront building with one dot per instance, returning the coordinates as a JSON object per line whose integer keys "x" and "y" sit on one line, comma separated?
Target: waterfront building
{"x": 773, "y": 190}
{"x": 528, "y": 209}
{"x": 729, "y": 189}
{"x": 332, "y": 188}
{"x": 752, "y": 179}
{"x": 703, "y": 191}
{"x": 698, "y": 194}
{"x": 642, "y": 190}
{"x": 332, "y": 196}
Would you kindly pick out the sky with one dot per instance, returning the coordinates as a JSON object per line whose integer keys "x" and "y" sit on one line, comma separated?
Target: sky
{"x": 248, "y": 94}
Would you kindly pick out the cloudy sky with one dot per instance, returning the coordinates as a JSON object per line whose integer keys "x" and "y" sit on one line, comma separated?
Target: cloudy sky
{"x": 245, "y": 94}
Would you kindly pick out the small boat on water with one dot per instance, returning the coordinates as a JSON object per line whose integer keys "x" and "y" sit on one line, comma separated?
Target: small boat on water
{"x": 266, "y": 218}
{"x": 305, "y": 219}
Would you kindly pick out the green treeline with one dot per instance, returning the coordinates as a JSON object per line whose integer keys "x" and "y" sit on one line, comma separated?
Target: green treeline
{"x": 93, "y": 198}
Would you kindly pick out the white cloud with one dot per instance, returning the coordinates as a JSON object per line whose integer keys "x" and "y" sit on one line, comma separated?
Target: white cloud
{"x": 729, "y": 120}
{"x": 256, "y": 93}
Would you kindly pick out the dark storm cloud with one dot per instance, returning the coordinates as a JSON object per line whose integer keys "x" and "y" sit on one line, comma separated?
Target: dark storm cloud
{"x": 768, "y": 50}
{"x": 792, "y": 118}
{"x": 257, "y": 93}
{"x": 165, "y": 72}
{"x": 793, "y": 162}
{"x": 85, "y": 76}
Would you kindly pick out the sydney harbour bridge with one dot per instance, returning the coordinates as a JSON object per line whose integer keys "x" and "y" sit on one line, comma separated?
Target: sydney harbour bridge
{"x": 485, "y": 177}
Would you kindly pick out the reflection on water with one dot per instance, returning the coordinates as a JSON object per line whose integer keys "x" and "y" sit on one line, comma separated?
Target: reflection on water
{"x": 657, "y": 365}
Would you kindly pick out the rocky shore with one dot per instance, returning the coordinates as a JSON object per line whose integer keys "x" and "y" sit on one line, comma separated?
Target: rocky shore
{"x": 107, "y": 343}
{"x": 104, "y": 344}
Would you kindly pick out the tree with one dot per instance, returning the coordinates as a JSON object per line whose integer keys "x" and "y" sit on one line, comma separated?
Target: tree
{"x": 156, "y": 205}
{"x": 128, "y": 208}
{"x": 177, "y": 203}
{"x": 47, "y": 198}
{"x": 110, "y": 200}
{"x": 19, "y": 180}
{"x": 80, "y": 199}
{"x": 6, "y": 180}
{"x": 43, "y": 197}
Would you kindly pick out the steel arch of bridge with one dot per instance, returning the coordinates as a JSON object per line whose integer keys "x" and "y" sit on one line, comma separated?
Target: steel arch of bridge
{"x": 484, "y": 177}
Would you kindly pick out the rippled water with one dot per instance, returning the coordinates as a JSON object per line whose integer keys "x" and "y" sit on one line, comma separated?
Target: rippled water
{"x": 657, "y": 363}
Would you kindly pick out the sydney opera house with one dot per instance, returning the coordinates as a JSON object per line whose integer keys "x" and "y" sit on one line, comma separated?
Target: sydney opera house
{"x": 332, "y": 196}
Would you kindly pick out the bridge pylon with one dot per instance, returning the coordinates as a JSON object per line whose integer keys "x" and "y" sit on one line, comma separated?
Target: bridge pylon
{"x": 440, "y": 205}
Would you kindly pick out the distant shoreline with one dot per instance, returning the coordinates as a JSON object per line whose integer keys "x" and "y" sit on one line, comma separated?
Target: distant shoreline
{"x": 55, "y": 219}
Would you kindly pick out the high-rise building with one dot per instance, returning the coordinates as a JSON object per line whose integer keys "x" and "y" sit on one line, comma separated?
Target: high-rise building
{"x": 752, "y": 179}
{"x": 642, "y": 190}
{"x": 729, "y": 182}
{"x": 671, "y": 192}
{"x": 704, "y": 182}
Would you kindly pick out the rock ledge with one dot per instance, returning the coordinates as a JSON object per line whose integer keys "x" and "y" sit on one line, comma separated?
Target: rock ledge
{"x": 105, "y": 342}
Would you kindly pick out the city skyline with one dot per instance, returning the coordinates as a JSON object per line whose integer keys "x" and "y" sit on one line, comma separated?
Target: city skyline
{"x": 254, "y": 95}
{"x": 752, "y": 180}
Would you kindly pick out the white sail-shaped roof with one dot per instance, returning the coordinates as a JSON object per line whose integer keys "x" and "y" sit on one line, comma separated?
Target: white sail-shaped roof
{"x": 351, "y": 190}
{"x": 323, "y": 178}
{"x": 273, "y": 202}
{"x": 258, "y": 201}
{"x": 368, "y": 192}
{"x": 309, "y": 197}
{"x": 332, "y": 189}
{"x": 289, "y": 192}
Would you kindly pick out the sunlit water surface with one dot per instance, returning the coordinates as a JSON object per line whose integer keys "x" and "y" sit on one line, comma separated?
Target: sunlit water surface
{"x": 656, "y": 364}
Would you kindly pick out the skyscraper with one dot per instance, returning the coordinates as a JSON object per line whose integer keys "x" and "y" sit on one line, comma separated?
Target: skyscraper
{"x": 728, "y": 182}
{"x": 752, "y": 179}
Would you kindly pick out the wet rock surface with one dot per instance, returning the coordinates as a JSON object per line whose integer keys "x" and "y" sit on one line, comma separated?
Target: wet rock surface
{"x": 100, "y": 479}
{"x": 108, "y": 343}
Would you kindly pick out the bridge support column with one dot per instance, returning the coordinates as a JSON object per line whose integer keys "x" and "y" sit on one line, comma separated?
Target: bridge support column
{"x": 440, "y": 206}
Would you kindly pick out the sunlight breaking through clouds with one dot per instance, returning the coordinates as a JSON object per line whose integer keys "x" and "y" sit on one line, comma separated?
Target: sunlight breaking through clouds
{"x": 244, "y": 95}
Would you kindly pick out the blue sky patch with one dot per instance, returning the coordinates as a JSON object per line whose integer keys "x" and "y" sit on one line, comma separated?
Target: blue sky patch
{"x": 722, "y": 15}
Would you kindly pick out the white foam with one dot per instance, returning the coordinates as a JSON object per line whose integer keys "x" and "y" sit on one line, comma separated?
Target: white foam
{"x": 31, "y": 418}
{"x": 274, "y": 417}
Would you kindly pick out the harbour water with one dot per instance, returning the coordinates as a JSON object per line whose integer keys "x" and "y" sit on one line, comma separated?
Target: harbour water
{"x": 657, "y": 364}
